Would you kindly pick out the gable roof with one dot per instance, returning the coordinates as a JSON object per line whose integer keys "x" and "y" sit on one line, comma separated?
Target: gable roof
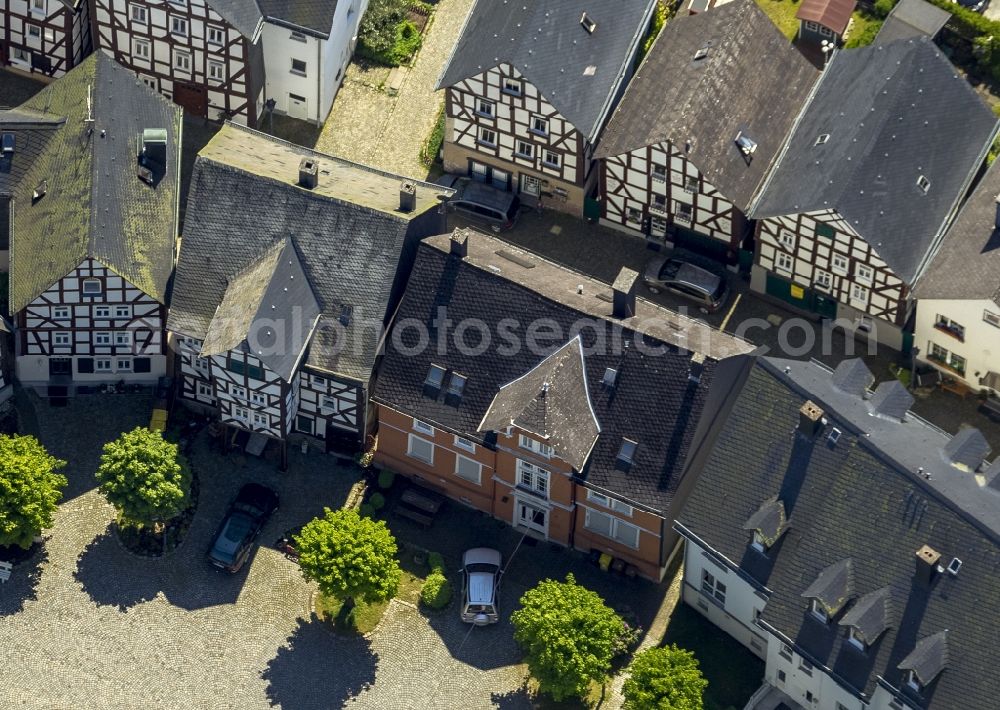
{"x": 862, "y": 498}
{"x": 244, "y": 15}
{"x": 714, "y": 98}
{"x": 928, "y": 658}
{"x": 834, "y": 14}
{"x": 967, "y": 264}
{"x": 257, "y": 306}
{"x": 94, "y": 204}
{"x": 912, "y": 18}
{"x": 893, "y": 113}
{"x": 315, "y": 15}
{"x": 653, "y": 401}
{"x": 833, "y": 586}
{"x": 552, "y": 401}
{"x": 545, "y": 41}
{"x": 353, "y": 244}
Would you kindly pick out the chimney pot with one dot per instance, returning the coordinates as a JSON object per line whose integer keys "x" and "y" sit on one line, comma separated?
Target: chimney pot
{"x": 927, "y": 561}
{"x": 407, "y": 196}
{"x": 308, "y": 173}
{"x": 623, "y": 296}
{"x": 460, "y": 244}
{"x": 810, "y": 419}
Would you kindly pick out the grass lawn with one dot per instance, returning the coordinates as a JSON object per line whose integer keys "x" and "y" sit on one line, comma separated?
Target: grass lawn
{"x": 863, "y": 29}
{"x": 365, "y": 617}
{"x": 733, "y": 673}
{"x": 782, "y": 13}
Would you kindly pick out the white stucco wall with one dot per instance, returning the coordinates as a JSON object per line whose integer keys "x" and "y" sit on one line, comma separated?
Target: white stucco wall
{"x": 980, "y": 346}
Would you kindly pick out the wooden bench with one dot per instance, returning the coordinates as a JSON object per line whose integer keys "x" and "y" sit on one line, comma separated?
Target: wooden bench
{"x": 955, "y": 387}
{"x": 992, "y": 407}
{"x": 414, "y": 515}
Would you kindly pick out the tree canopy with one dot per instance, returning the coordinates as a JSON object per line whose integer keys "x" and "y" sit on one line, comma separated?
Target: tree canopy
{"x": 665, "y": 678}
{"x": 144, "y": 477}
{"x": 30, "y": 489}
{"x": 349, "y": 556}
{"x": 568, "y": 635}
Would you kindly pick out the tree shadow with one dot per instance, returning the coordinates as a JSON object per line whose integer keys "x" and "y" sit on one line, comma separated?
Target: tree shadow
{"x": 518, "y": 699}
{"x": 317, "y": 670}
{"x": 23, "y": 583}
{"x": 113, "y": 577}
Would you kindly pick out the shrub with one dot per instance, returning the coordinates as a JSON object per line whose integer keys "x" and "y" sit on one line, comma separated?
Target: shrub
{"x": 666, "y": 678}
{"x": 386, "y": 477}
{"x": 435, "y": 561}
{"x": 867, "y": 35}
{"x": 377, "y": 501}
{"x": 385, "y": 35}
{"x": 366, "y": 510}
{"x": 432, "y": 146}
{"x": 436, "y": 592}
{"x": 884, "y": 7}
{"x": 30, "y": 489}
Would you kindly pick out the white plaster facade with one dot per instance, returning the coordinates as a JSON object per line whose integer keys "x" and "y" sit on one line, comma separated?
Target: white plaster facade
{"x": 959, "y": 337}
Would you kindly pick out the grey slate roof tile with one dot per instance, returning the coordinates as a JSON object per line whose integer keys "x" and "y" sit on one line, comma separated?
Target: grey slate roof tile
{"x": 315, "y": 15}
{"x": 912, "y": 18}
{"x": 705, "y": 103}
{"x": 860, "y": 499}
{"x": 553, "y": 401}
{"x": 967, "y": 448}
{"x": 853, "y": 376}
{"x": 544, "y": 40}
{"x": 871, "y": 614}
{"x": 244, "y": 15}
{"x": 891, "y": 400}
{"x": 94, "y": 205}
{"x": 833, "y": 586}
{"x": 893, "y": 112}
{"x": 929, "y": 658}
{"x": 769, "y": 520}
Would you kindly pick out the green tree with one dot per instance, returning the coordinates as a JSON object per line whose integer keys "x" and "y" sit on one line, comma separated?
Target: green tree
{"x": 664, "y": 679}
{"x": 349, "y": 556}
{"x": 568, "y": 635}
{"x": 144, "y": 477}
{"x": 30, "y": 489}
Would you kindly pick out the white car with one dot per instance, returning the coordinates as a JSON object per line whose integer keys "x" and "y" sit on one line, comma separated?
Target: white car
{"x": 481, "y": 571}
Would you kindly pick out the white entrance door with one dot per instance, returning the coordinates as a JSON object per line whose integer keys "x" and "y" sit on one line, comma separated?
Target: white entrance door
{"x": 298, "y": 107}
{"x": 530, "y": 185}
{"x": 531, "y": 516}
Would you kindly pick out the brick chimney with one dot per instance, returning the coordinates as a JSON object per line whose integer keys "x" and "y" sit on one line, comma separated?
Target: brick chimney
{"x": 308, "y": 173}
{"x": 460, "y": 243}
{"x": 810, "y": 419}
{"x": 623, "y": 296}
{"x": 407, "y": 196}
{"x": 927, "y": 562}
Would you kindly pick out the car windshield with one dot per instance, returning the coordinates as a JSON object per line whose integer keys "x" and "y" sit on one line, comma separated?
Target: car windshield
{"x": 669, "y": 269}
{"x": 481, "y": 567}
{"x": 719, "y": 291}
{"x": 237, "y": 528}
{"x": 480, "y": 608}
{"x": 514, "y": 206}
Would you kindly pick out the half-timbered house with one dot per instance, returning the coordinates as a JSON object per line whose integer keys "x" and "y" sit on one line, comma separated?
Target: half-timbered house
{"x": 699, "y": 128}
{"x": 44, "y": 37}
{"x": 291, "y": 263}
{"x": 579, "y": 437}
{"x": 873, "y": 174}
{"x": 529, "y": 87}
{"x": 206, "y": 56}
{"x": 90, "y": 175}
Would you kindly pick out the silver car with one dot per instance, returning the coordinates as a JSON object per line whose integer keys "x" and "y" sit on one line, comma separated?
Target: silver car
{"x": 481, "y": 571}
{"x": 482, "y": 203}
{"x": 685, "y": 279}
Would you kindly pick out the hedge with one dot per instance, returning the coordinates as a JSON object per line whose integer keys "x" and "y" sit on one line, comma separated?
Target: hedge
{"x": 436, "y": 592}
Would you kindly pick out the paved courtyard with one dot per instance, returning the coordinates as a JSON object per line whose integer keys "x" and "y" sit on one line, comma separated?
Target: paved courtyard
{"x": 87, "y": 624}
{"x": 370, "y": 125}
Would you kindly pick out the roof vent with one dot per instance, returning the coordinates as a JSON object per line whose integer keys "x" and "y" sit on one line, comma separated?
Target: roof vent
{"x": 407, "y": 196}
{"x": 924, "y": 184}
{"x": 822, "y": 138}
{"x": 7, "y": 144}
{"x": 590, "y": 70}
{"x": 834, "y": 437}
{"x": 746, "y": 144}
{"x": 308, "y": 173}
{"x": 40, "y": 191}
{"x": 701, "y": 54}
{"x": 587, "y": 23}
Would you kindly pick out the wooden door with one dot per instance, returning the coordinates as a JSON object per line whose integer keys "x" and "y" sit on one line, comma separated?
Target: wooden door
{"x": 191, "y": 97}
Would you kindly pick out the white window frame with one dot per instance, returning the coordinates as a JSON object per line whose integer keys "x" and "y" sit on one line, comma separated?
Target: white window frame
{"x": 61, "y": 312}
{"x": 818, "y": 612}
{"x": 331, "y": 405}
{"x": 992, "y": 318}
{"x": 486, "y": 108}
{"x": 823, "y": 279}
{"x": 102, "y": 338}
{"x": 537, "y": 121}
{"x": 204, "y": 389}
{"x": 535, "y": 446}
{"x": 261, "y": 419}
{"x": 465, "y": 444}
{"x": 123, "y": 311}
{"x": 839, "y": 264}
{"x": 91, "y": 282}
{"x": 423, "y": 427}
{"x": 141, "y": 48}
{"x": 784, "y": 262}
{"x": 713, "y": 588}
{"x": 787, "y": 238}
{"x": 758, "y": 542}
{"x": 483, "y": 137}
{"x": 123, "y": 338}
{"x": 304, "y": 71}
{"x": 179, "y": 26}
{"x": 38, "y": 6}
{"x": 62, "y": 339}
{"x": 216, "y": 70}
{"x": 855, "y": 638}
{"x": 139, "y": 14}
{"x": 533, "y": 478}
{"x": 34, "y": 32}
{"x": 102, "y": 312}
{"x": 525, "y": 149}
{"x": 411, "y": 438}
{"x": 123, "y": 365}
{"x": 864, "y": 274}
{"x": 551, "y": 159}
{"x": 512, "y": 86}
{"x": 215, "y": 35}
{"x": 859, "y": 293}
{"x": 182, "y": 61}
{"x": 459, "y": 460}
{"x": 912, "y": 681}
{"x": 241, "y": 414}
{"x": 102, "y": 364}
{"x": 609, "y": 502}
{"x": 238, "y": 392}
{"x": 683, "y": 212}
{"x": 615, "y": 527}
{"x": 258, "y": 398}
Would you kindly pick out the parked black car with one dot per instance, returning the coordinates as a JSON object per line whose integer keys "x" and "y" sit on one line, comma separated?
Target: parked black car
{"x": 247, "y": 514}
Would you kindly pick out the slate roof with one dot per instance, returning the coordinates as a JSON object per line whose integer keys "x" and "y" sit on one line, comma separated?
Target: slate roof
{"x": 862, "y": 499}
{"x": 929, "y": 657}
{"x": 271, "y": 291}
{"x": 244, "y": 15}
{"x": 769, "y": 520}
{"x": 967, "y": 448}
{"x": 893, "y": 112}
{"x": 654, "y": 401}
{"x": 315, "y": 15}
{"x": 835, "y": 14}
{"x": 705, "y": 103}
{"x": 891, "y": 399}
{"x": 853, "y": 376}
{"x": 353, "y": 244}
{"x": 833, "y": 586}
{"x": 545, "y": 41}
{"x": 551, "y": 400}
{"x": 871, "y": 614}
{"x": 912, "y": 18}
{"x": 94, "y": 204}
{"x": 967, "y": 264}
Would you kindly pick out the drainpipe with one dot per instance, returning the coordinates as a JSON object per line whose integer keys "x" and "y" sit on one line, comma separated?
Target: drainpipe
{"x": 319, "y": 79}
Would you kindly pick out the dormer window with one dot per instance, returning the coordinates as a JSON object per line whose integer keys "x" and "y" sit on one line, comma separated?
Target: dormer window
{"x": 822, "y": 138}
{"x": 526, "y": 442}
{"x": 759, "y": 543}
{"x": 855, "y": 638}
{"x": 817, "y": 610}
{"x": 913, "y": 682}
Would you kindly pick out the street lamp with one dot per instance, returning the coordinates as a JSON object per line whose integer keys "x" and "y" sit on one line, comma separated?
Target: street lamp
{"x": 827, "y": 47}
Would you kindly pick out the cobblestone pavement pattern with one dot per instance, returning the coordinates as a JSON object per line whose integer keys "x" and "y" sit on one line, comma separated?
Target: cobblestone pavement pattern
{"x": 86, "y": 624}
{"x": 369, "y": 126}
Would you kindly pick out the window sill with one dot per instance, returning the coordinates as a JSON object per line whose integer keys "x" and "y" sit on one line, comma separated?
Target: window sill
{"x": 297, "y": 73}
{"x": 537, "y": 494}
{"x": 658, "y": 178}
{"x": 550, "y": 166}
{"x": 484, "y": 144}
{"x": 538, "y": 133}
{"x": 950, "y": 333}
{"x": 522, "y": 156}
{"x": 946, "y": 366}
{"x": 516, "y": 94}
{"x": 487, "y": 116}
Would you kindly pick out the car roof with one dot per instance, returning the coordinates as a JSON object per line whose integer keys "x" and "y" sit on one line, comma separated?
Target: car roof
{"x": 481, "y": 587}
{"x": 481, "y": 555}
{"x": 485, "y": 195}
{"x": 697, "y": 276}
